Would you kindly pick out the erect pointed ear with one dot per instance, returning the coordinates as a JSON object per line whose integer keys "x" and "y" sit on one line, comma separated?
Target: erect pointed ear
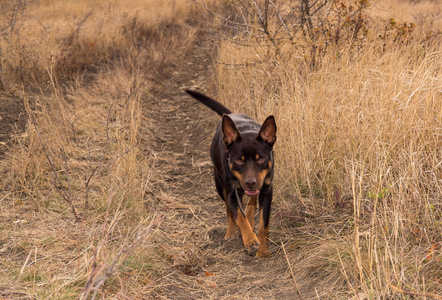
{"x": 230, "y": 133}
{"x": 268, "y": 131}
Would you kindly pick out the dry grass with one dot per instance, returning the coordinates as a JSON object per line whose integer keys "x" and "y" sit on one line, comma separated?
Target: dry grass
{"x": 359, "y": 144}
{"x": 66, "y": 37}
{"x": 425, "y": 14}
{"x": 358, "y": 198}
{"x": 73, "y": 186}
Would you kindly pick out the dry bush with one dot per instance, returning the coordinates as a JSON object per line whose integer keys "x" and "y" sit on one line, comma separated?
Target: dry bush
{"x": 359, "y": 151}
{"x": 310, "y": 30}
{"x": 73, "y": 185}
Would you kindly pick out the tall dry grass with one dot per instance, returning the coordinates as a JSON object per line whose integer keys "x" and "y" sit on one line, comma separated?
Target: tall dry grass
{"x": 359, "y": 150}
{"x": 73, "y": 185}
{"x": 75, "y": 36}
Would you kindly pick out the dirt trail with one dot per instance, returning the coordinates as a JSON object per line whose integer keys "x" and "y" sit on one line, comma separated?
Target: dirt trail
{"x": 11, "y": 120}
{"x": 201, "y": 263}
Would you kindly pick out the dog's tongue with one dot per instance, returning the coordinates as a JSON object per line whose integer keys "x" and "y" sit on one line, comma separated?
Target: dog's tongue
{"x": 251, "y": 193}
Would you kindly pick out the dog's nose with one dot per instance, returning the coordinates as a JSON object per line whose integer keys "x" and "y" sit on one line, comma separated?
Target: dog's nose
{"x": 250, "y": 183}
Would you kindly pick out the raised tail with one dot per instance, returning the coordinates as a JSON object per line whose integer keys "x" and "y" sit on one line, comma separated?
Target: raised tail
{"x": 209, "y": 102}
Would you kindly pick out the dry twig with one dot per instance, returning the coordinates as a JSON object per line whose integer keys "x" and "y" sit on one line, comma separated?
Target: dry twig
{"x": 291, "y": 271}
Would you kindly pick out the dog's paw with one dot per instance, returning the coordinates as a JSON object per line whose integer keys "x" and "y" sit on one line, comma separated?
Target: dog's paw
{"x": 251, "y": 245}
{"x": 263, "y": 251}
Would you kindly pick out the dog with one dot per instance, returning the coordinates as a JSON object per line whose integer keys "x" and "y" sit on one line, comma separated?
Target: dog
{"x": 243, "y": 162}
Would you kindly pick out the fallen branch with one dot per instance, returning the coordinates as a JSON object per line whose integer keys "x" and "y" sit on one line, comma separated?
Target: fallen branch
{"x": 291, "y": 271}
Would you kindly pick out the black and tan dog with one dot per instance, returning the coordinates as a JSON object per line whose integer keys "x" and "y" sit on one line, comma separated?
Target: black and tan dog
{"x": 242, "y": 156}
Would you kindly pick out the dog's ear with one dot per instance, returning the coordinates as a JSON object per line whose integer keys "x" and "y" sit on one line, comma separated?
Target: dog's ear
{"x": 268, "y": 131}
{"x": 230, "y": 133}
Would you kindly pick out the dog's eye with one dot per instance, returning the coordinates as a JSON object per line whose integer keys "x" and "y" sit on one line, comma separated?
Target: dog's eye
{"x": 261, "y": 160}
{"x": 239, "y": 162}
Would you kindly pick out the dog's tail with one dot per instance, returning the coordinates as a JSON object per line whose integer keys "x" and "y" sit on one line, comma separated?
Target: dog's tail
{"x": 211, "y": 103}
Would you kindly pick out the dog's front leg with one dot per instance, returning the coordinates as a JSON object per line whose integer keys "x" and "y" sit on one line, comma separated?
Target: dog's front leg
{"x": 231, "y": 224}
{"x": 265, "y": 203}
{"x": 249, "y": 238}
{"x": 251, "y": 210}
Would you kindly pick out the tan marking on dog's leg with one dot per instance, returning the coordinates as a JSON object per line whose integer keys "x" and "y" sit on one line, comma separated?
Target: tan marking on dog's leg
{"x": 263, "y": 237}
{"x": 249, "y": 238}
{"x": 251, "y": 210}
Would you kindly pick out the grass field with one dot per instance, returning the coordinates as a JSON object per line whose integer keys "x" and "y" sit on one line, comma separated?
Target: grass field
{"x": 359, "y": 137}
{"x": 358, "y": 102}
{"x": 80, "y": 69}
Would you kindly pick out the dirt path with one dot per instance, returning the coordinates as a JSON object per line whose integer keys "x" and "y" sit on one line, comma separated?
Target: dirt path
{"x": 191, "y": 239}
{"x": 11, "y": 120}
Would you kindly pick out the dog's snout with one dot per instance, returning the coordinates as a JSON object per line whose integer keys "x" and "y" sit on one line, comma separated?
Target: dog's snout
{"x": 250, "y": 183}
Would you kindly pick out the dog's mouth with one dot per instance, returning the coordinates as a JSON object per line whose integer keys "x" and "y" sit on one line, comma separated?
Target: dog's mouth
{"x": 251, "y": 193}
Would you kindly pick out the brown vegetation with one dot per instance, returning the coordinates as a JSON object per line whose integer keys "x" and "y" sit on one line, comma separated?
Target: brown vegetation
{"x": 74, "y": 183}
{"x": 358, "y": 103}
{"x": 96, "y": 200}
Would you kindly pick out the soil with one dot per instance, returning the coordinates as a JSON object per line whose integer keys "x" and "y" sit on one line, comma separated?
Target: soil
{"x": 12, "y": 120}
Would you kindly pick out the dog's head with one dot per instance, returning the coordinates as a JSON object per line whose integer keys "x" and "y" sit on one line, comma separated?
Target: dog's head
{"x": 250, "y": 155}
